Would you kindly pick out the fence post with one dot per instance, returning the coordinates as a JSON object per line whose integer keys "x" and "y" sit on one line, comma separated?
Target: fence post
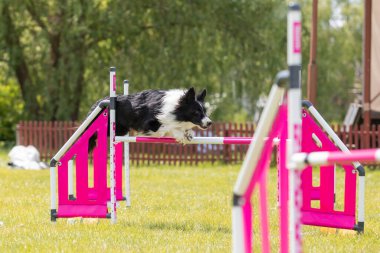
{"x": 373, "y": 137}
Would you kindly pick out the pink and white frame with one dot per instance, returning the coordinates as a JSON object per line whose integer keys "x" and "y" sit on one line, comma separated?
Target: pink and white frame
{"x": 254, "y": 164}
{"x": 294, "y": 124}
{"x": 254, "y": 168}
{"x": 112, "y": 126}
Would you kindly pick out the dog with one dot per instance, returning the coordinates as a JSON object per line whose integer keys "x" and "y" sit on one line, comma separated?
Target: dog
{"x": 160, "y": 113}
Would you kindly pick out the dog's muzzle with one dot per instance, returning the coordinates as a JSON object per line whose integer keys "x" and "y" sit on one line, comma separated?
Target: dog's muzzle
{"x": 206, "y": 122}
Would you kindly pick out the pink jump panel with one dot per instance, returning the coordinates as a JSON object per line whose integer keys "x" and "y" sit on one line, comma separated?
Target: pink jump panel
{"x": 325, "y": 191}
{"x": 334, "y": 220}
{"x": 89, "y": 201}
{"x": 85, "y": 211}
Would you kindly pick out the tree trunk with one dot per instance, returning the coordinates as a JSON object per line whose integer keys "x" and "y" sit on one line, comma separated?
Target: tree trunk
{"x": 79, "y": 87}
{"x": 19, "y": 66}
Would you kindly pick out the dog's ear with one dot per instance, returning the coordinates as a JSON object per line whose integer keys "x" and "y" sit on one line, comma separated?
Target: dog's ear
{"x": 201, "y": 96}
{"x": 190, "y": 95}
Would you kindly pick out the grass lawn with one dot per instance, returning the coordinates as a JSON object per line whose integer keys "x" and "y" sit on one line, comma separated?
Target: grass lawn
{"x": 174, "y": 209}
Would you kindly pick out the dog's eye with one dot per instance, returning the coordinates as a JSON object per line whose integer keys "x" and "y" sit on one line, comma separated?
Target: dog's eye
{"x": 196, "y": 113}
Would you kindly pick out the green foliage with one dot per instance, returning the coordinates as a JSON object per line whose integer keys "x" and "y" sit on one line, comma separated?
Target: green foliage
{"x": 231, "y": 111}
{"x": 59, "y": 51}
{"x": 339, "y": 54}
{"x": 11, "y": 107}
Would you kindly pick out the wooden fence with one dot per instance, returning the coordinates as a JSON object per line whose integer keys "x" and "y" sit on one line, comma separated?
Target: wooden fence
{"x": 356, "y": 137}
{"x": 48, "y": 137}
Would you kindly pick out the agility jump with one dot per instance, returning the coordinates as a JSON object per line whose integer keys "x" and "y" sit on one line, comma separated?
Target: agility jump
{"x": 281, "y": 125}
{"x": 297, "y": 132}
{"x": 92, "y": 201}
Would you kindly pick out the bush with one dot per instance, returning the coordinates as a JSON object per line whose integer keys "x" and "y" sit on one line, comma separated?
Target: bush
{"x": 11, "y": 108}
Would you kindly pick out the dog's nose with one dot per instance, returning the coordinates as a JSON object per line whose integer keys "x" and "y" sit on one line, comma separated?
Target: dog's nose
{"x": 209, "y": 123}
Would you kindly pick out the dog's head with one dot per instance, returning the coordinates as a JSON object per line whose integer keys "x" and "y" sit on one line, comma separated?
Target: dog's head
{"x": 191, "y": 108}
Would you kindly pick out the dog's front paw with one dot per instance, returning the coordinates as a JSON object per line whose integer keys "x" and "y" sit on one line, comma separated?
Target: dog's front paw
{"x": 184, "y": 137}
{"x": 189, "y": 135}
{"x": 184, "y": 140}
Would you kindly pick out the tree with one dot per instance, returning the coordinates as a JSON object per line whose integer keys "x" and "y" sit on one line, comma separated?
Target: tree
{"x": 59, "y": 51}
{"x": 340, "y": 26}
{"x": 11, "y": 107}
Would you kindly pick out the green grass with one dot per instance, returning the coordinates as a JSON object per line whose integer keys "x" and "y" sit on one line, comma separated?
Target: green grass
{"x": 174, "y": 209}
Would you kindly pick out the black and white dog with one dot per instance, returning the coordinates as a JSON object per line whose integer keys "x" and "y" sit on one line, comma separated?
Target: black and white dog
{"x": 162, "y": 113}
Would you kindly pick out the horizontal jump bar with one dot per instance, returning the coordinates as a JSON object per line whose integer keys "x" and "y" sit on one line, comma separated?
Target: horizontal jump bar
{"x": 324, "y": 158}
{"x": 195, "y": 140}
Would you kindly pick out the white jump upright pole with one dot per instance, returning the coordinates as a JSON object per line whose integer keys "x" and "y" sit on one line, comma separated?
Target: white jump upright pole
{"x": 126, "y": 159}
{"x": 294, "y": 125}
{"x": 112, "y": 127}
{"x": 70, "y": 168}
{"x": 53, "y": 191}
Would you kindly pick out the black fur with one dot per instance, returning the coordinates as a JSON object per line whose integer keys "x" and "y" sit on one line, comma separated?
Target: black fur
{"x": 140, "y": 111}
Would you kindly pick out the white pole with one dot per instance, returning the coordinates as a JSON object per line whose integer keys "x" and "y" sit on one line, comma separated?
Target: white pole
{"x": 361, "y": 203}
{"x": 330, "y": 132}
{"x": 294, "y": 125}
{"x": 126, "y": 159}
{"x": 53, "y": 197}
{"x": 71, "y": 179}
{"x": 77, "y": 133}
{"x": 112, "y": 127}
{"x": 302, "y": 159}
{"x": 195, "y": 140}
{"x": 238, "y": 242}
